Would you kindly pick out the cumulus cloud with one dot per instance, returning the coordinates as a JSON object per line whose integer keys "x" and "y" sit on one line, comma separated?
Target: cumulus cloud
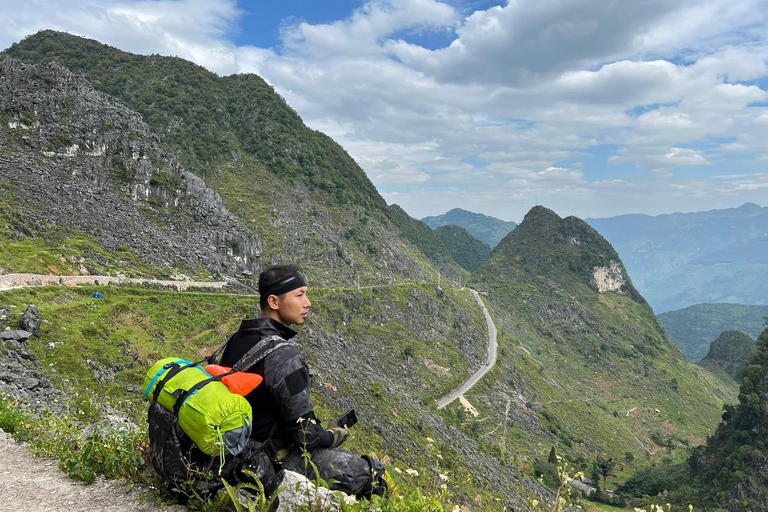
{"x": 587, "y": 106}
{"x": 196, "y": 30}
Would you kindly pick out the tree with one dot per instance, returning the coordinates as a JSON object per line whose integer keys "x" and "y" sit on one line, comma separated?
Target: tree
{"x": 605, "y": 467}
{"x": 552, "y": 459}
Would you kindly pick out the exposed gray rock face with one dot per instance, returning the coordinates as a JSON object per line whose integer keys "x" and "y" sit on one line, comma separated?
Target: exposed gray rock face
{"x": 17, "y": 335}
{"x": 78, "y": 159}
{"x": 30, "y": 321}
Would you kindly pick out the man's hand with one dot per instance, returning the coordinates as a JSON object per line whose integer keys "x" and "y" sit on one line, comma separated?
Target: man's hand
{"x": 339, "y": 436}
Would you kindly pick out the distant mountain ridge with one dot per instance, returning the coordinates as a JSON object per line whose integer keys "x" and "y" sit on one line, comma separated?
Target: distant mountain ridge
{"x": 488, "y": 230}
{"x": 682, "y": 259}
{"x": 695, "y": 327}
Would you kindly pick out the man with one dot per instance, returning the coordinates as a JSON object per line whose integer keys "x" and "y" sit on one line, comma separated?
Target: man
{"x": 283, "y": 412}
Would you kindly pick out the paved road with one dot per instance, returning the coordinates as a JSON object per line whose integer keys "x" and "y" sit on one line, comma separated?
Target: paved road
{"x": 489, "y": 362}
{"x": 11, "y": 281}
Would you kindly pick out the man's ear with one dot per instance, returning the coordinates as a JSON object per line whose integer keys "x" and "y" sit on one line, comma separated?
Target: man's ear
{"x": 273, "y": 301}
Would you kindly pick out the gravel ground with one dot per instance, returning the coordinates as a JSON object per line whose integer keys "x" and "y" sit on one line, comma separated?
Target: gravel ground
{"x": 31, "y": 484}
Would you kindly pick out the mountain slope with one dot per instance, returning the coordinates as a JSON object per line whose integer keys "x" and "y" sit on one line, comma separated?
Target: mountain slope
{"x": 582, "y": 358}
{"x": 730, "y": 352}
{"x": 733, "y": 467}
{"x": 682, "y": 259}
{"x": 428, "y": 242}
{"x": 292, "y": 187}
{"x": 693, "y": 328}
{"x": 488, "y": 230}
{"x": 468, "y": 251}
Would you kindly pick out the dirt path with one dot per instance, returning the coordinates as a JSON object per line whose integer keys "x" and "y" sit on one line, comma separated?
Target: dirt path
{"x": 487, "y": 366}
{"x": 12, "y": 281}
{"x": 27, "y": 483}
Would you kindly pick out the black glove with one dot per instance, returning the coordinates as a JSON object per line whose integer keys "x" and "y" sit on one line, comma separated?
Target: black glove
{"x": 339, "y": 436}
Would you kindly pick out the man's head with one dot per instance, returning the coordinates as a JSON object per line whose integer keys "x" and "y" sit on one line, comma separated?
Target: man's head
{"x": 283, "y": 295}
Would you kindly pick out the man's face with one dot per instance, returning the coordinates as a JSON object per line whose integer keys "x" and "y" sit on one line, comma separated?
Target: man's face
{"x": 292, "y": 307}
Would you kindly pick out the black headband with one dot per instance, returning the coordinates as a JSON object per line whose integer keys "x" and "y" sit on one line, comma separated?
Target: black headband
{"x": 284, "y": 286}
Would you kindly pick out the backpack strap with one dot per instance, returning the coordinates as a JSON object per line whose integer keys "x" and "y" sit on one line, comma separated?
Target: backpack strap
{"x": 173, "y": 369}
{"x": 258, "y": 352}
{"x": 214, "y": 358}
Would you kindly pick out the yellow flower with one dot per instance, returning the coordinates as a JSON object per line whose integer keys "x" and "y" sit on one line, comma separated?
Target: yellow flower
{"x": 534, "y": 503}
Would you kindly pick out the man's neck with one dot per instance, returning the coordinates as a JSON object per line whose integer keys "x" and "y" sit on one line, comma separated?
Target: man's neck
{"x": 271, "y": 313}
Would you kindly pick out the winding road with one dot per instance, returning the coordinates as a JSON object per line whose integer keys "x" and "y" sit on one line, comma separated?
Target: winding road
{"x": 13, "y": 281}
{"x": 487, "y": 366}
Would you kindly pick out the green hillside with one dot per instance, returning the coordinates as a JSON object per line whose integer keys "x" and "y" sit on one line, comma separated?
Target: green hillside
{"x": 386, "y": 351}
{"x": 729, "y": 471}
{"x": 208, "y": 119}
{"x": 428, "y": 242}
{"x": 730, "y": 352}
{"x": 488, "y": 230}
{"x": 294, "y": 188}
{"x": 695, "y": 327}
{"x": 468, "y": 251}
{"x": 583, "y": 361}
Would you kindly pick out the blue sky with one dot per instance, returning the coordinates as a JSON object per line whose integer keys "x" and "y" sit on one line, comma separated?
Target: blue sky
{"x": 591, "y": 107}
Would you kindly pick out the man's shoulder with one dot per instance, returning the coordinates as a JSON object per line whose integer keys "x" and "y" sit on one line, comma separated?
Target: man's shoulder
{"x": 283, "y": 350}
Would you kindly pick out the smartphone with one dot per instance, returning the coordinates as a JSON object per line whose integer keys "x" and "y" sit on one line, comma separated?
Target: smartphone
{"x": 347, "y": 420}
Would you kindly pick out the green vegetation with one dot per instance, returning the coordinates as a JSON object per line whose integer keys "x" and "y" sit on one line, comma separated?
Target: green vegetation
{"x": 730, "y": 351}
{"x": 61, "y": 251}
{"x": 207, "y": 118}
{"x": 694, "y": 328}
{"x": 421, "y": 236}
{"x": 468, "y": 251}
{"x": 577, "y": 356}
{"x": 129, "y": 329}
{"x": 488, "y": 230}
{"x": 730, "y": 467}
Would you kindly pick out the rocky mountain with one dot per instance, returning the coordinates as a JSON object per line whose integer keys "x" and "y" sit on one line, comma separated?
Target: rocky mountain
{"x": 682, "y": 259}
{"x": 583, "y": 360}
{"x": 296, "y": 193}
{"x": 488, "y": 230}
{"x": 730, "y": 352}
{"x": 693, "y": 328}
{"x": 77, "y": 166}
{"x": 468, "y": 251}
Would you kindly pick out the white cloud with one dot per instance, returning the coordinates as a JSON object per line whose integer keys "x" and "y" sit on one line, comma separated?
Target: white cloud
{"x": 512, "y": 110}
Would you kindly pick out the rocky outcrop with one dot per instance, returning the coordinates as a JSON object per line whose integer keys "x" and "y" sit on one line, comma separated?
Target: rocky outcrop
{"x": 21, "y": 375}
{"x": 77, "y": 159}
{"x": 610, "y": 278}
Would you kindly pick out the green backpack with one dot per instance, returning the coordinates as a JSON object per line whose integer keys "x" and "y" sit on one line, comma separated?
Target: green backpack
{"x": 213, "y": 417}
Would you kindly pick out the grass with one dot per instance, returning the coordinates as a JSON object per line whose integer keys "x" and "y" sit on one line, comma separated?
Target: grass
{"x": 579, "y": 370}
{"x": 124, "y": 333}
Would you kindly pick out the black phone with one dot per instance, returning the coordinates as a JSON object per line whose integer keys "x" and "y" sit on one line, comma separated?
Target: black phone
{"x": 347, "y": 420}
